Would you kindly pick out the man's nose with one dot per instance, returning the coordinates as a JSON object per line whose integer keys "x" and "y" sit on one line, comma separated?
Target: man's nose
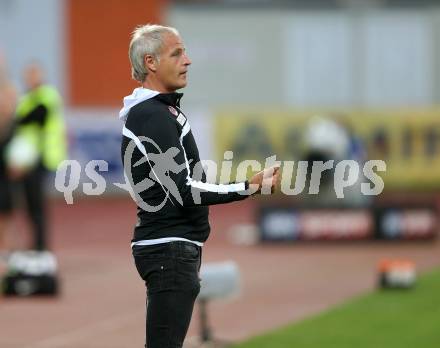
{"x": 187, "y": 61}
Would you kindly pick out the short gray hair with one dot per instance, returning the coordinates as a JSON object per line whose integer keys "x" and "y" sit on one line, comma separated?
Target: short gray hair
{"x": 146, "y": 39}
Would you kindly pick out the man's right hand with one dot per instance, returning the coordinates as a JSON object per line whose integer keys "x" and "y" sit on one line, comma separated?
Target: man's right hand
{"x": 267, "y": 180}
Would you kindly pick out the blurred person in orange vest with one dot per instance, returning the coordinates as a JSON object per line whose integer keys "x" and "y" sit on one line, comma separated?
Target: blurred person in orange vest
{"x": 38, "y": 146}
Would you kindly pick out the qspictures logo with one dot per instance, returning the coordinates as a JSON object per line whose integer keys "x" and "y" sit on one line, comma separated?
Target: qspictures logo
{"x": 162, "y": 166}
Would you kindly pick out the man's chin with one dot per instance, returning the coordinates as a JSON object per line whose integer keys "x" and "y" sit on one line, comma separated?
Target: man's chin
{"x": 181, "y": 85}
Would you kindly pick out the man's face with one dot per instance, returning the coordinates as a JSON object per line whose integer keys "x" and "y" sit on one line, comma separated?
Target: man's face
{"x": 33, "y": 77}
{"x": 173, "y": 64}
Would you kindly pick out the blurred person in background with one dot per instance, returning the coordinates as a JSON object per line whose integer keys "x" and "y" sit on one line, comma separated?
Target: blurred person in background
{"x": 8, "y": 100}
{"x": 38, "y": 146}
{"x": 327, "y": 138}
{"x": 167, "y": 243}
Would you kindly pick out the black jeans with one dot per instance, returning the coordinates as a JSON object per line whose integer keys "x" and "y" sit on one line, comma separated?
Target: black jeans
{"x": 171, "y": 275}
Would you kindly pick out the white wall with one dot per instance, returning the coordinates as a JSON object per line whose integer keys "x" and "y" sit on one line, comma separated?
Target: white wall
{"x": 399, "y": 63}
{"x": 266, "y": 57}
{"x": 311, "y": 58}
{"x": 236, "y": 55}
{"x": 30, "y": 30}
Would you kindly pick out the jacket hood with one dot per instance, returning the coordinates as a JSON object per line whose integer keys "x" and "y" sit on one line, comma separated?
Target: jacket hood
{"x": 139, "y": 95}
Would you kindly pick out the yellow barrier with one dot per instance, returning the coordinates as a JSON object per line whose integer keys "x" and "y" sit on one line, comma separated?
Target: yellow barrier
{"x": 407, "y": 140}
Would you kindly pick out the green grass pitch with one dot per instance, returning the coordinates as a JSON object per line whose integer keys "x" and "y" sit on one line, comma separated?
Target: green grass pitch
{"x": 384, "y": 318}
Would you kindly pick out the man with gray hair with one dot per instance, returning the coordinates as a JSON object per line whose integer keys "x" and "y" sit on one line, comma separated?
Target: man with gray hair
{"x": 167, "y": 242}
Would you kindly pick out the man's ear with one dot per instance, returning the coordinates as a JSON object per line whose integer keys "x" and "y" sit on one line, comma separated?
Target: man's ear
{"x": 150, "y": 62}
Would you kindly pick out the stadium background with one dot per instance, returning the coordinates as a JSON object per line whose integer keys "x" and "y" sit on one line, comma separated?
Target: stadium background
{"x": 270, "y": 63}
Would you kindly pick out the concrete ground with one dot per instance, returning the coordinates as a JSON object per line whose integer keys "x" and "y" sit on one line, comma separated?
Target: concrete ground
{"x": 102, "y": 300}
